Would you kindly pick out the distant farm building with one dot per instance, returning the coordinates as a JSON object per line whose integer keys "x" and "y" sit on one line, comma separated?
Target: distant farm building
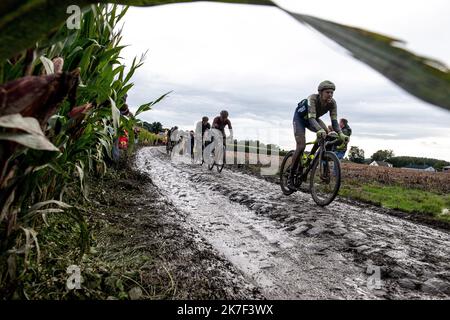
{"x": 381, "y": 164}
{"x": 446, "y": 169}
{"x": 420, "y": 168}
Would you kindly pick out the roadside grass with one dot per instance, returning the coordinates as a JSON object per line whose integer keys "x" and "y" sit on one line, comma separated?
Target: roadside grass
{"x": 112, "y": 265}
{"x": 431, "y": 204}
{"x": 398, "y": 197}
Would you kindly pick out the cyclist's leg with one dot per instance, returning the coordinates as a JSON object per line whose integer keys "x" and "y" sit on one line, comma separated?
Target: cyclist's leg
{"x": 224, "y": 149}
{"x": 203, "y": 149}
{"x": 324, "y": 127}
{"x": 299, "y": 133}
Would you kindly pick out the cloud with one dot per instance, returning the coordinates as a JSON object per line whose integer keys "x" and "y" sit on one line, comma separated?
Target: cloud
{"x": 258, "y": 63}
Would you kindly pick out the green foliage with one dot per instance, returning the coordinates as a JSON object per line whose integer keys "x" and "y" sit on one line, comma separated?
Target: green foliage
{"x": 147, "y": 106}
{"x": 84, "y": 137}
{"x": 155, "y": 127}
{"x": 398, "y": 197}
{"x": 356, "y": 155}
{"x": 148, "y": 138}
{"x": 405, "y": 161}
{"x": 382, "y": 155}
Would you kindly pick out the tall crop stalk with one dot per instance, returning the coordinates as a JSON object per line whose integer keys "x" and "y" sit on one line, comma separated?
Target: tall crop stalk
{"x": 74, "y": 137}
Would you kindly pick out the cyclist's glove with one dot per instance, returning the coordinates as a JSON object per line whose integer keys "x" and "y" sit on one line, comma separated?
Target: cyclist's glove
{"x": 321, "y": 134}
{"x": 343, "y": 137}
{"x": 230, "y": 137}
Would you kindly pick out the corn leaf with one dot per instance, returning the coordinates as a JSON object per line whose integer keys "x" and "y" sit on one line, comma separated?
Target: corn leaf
{"x": 42, "y": 204}
{"x": 48, "y": 65}
{"x": 115, "y": 115}
{"x": 33, "y": 137}
{"x": 422, "y": 77}
{"x": 148, "y": 106}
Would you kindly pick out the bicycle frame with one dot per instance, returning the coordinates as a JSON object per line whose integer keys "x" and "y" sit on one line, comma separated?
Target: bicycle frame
{"x": 317, "y": 155}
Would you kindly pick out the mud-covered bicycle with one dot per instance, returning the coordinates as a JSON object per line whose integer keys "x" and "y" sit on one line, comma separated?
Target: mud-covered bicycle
{"x": 322, "y": 165}
{"x": 215, "y": 158}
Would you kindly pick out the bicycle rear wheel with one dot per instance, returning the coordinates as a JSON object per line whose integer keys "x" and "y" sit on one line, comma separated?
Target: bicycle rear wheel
{"x": 209, "y": 159}
{"x": 285, "y": 170}
{"x": 325, "y": 179}
{"x": 221, "y": 164}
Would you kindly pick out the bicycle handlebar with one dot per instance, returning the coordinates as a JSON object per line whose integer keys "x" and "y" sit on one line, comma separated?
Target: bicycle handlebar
{"x": 323, "y": 141}
{"x": 330, "y": 142}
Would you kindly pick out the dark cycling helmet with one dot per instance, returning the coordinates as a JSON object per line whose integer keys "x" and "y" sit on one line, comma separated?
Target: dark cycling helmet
{"x": 326, "y": 85}
{"x": 224, "y": 113}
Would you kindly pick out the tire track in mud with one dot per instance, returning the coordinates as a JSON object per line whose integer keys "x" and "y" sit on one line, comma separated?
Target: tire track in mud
{"x": 292, "y": 248}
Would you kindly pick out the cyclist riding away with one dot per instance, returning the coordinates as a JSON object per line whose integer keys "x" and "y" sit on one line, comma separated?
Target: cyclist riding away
{"x": 307, "y": 115}
{"x": 201, "y": 135}
{"x": 173, "y": 138}
{"x": 219, "y": 124}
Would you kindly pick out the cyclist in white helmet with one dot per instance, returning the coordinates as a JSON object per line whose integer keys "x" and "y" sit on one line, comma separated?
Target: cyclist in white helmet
{"x": 307, "y": 115}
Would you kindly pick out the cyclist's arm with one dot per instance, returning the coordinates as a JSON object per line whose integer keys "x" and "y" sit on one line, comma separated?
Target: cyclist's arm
{"x": 230, "y": 128}
{"x": 333, "y": 116}
{"x": 315, "y": 126}
{"x": 322, "y": 125}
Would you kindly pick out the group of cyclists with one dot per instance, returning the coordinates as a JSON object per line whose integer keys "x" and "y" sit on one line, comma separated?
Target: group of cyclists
{"x": 307, "y": 115}
{"x": 204, "y": 134}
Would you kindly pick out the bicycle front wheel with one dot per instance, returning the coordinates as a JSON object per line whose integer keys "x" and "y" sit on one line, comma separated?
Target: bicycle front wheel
{"x": 325, "y": 179}
{"x": 285, "y": 170}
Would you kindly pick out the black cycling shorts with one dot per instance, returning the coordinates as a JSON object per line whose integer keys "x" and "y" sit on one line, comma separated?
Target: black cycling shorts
{"x": 300, "y": 122}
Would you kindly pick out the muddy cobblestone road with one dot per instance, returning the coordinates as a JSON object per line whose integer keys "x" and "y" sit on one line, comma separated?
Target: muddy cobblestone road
{"x": 293, "y": 249}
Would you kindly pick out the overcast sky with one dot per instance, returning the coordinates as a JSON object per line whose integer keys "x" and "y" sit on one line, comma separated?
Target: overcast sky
{"x": 258, "y": 63}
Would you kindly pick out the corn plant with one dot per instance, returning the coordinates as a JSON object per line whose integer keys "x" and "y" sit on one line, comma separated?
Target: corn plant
{"x": 59, "y": 124}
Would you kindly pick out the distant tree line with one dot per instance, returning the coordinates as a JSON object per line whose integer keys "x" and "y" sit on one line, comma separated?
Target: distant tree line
{"x": 155, "y": 127}
{"x": 383, "y": 155}
{"x": 406, "y": 161}
{"x": 356, "y": 155}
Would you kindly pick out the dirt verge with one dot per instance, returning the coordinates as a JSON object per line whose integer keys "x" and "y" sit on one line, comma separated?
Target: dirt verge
{"x": 169, "y": 259}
